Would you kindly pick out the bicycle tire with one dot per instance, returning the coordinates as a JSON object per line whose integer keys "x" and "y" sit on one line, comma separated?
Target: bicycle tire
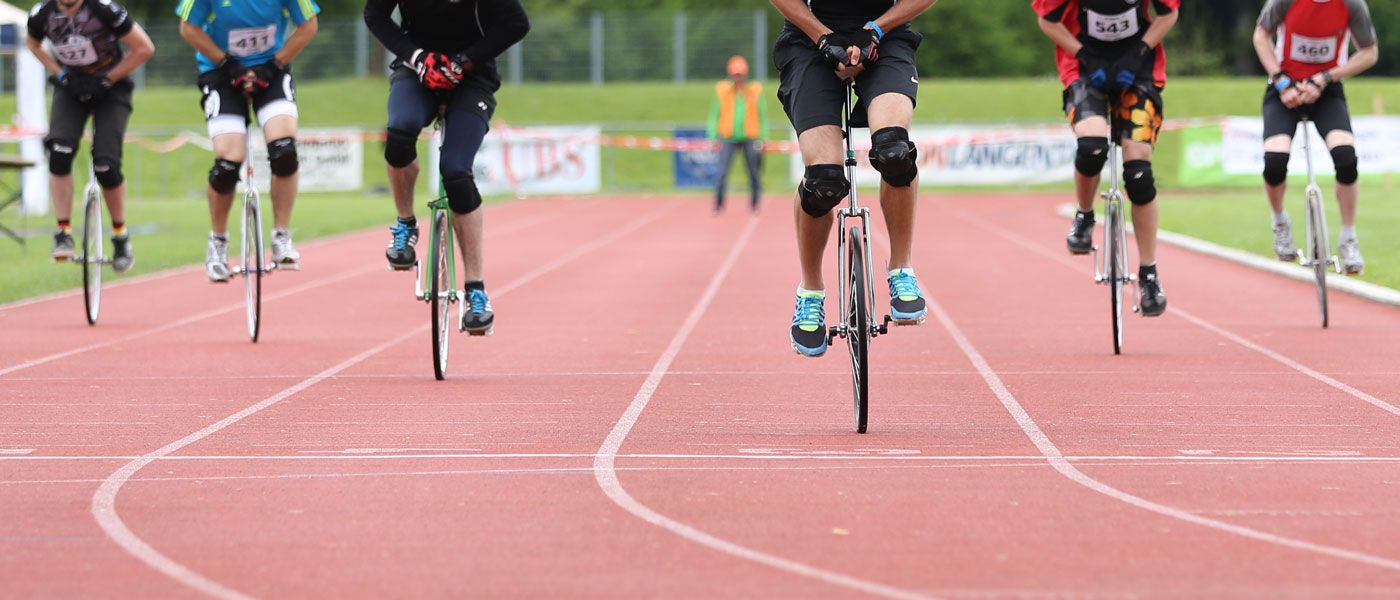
{"x": 1317, "y": 239}
{"x": 93, "y": 254}
{"x": 856, "y": 318}
{"x": 252, "y": 257}
{"x": 1113, "y": 234}
{"x": 441, "y": 308}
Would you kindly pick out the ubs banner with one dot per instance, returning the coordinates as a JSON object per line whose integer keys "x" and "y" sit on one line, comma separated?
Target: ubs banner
{"x": 536, "y": 160}
{"x": 977, "y": 155}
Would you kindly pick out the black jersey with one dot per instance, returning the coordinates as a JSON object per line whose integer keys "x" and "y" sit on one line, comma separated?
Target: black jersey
{"x": 846, "y": 15}
{"x": 479, "y": 29}
{"x": 87, "y": 41}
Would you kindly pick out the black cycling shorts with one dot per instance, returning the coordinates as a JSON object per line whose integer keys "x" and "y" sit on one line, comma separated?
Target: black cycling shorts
{"x": 812, "y": 94}
{"x": 109, "y": 118}
{"x": 226, "y": 109}
{"x": 1329, "y": 113}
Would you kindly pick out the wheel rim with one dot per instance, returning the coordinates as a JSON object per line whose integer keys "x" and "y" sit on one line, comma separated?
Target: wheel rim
{"x": 1115, "y": 278}
{"x": 440, "y": 308}
{"x": 1321, "y": 255}
{"x": 92, "y": 258}
{"x": 251, "y": 256}
{"x": 858, "y": 330}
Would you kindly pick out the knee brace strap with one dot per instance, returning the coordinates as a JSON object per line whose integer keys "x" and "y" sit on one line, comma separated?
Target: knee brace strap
{"x": 894, "y": 156}
{"x": 400, "y": 147}
{"x": 223, "y": 177}
{"x": 1345, "y": 159}
{"x": 61, "y": 156}
{"x": 1138, "y": 182}
{"x": 108, "y": 172}
{"x": 1275, "y": 167}
{"x": 282, "y": 156}
{"x": 1091, "y": 156}
{"x": 822, "y": 189}
{"x": 462, "y": 194}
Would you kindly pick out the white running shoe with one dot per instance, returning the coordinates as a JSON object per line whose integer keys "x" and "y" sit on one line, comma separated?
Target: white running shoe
{"x": 1283, "y": 242}
{"x": 284, "y": 254}
{"x": 1350, "y": 253}
{"x": 216, "y": 260}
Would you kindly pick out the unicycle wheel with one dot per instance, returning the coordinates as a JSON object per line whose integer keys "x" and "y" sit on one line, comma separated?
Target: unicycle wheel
{"x": 856, "y": 317}
{"x": 93, "y": 253}
{"x": 438, "y": 293}
{"x": 251, "y": 252}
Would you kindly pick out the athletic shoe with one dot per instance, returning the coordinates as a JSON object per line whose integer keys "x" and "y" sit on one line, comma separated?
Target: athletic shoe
{"x": 479, "y": 318}
{"x": 400, "y": 251}
{"x": 1283, "y": 242}
{"x": 122, "y": 260}
{"x": 216, "y": 260}
{"x": 906, "y": 302}
{"x": 809, "y": 324}
{"x": 1081, "y": 233}
{"x": 284, "y": 254}
{"x": 1350, "y": 253}
{"x": 62, "y": 246}
{"x": 1153, "y": 301}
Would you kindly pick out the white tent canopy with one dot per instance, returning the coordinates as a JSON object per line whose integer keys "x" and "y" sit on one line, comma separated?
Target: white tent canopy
{"x": 29, "y": 91}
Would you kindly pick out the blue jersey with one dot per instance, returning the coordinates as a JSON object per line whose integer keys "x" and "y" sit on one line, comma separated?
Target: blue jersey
{"x": 251, "y": 31}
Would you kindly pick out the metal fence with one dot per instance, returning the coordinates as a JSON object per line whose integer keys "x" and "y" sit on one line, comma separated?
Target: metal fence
{"x": 597, "y": 48}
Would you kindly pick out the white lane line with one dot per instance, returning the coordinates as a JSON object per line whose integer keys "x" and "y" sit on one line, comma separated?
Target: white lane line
{"x": 605, "y": 470}
{"x": 15, "y": 455}
{"x": 104, "y": 502}
{"x": 1059, "y": 463}
{"x": 232, "y": 307}
{"x": 1021, "y": 240}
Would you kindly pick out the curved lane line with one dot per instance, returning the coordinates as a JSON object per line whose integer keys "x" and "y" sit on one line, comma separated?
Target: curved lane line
{"x": 605, "y": 470}
{"x": 104, "y": 502}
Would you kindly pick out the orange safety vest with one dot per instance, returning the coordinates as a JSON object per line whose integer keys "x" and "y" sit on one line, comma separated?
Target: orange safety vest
{"x": 753, "y": 93}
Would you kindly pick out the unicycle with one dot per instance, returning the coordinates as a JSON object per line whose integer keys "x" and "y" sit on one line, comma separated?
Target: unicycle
{"x": 437, "y": 285}
{"x": 1111, "y": 267}
{"x": 251, "y": 247}
{"x": 94, "y": 252}
{"x": 855, "y": 290}
{"x": 1319, "y": 254}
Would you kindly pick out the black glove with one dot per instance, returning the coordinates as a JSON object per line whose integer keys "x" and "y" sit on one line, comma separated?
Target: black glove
{"x": 62, "y": 80}
{"x": 234, "y": 70}
{"x": 90, "y": 89}
{"x": 1093, "y": 67}
{"x": 268, "y": 73}
{"x": 1126, "y": 68}
{"x": 833, "y": 46}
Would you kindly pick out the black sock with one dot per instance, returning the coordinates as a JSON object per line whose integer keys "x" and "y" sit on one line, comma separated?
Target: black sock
{"x": 475, "y": 284}
{"x": 411, "y": 221}
{"x": 1088, "y": 214}
{"x": 1145, "y": 270}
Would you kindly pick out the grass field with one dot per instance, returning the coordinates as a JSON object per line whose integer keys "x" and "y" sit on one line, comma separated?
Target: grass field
{"x": 167, "y": 189}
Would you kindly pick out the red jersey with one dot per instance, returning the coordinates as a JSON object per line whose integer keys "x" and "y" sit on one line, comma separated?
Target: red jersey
{"x": 1315, "y": 35}
{"x": 1107, "y": 27}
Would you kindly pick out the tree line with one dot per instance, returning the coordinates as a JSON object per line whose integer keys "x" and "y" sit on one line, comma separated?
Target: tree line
{"x": 976, "y": 38}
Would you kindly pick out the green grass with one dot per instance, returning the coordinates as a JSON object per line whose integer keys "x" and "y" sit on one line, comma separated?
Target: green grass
{"x": 168, "y": 211}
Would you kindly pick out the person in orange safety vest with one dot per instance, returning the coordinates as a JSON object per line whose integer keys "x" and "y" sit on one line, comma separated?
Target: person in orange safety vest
{"x": 738, "y": 118}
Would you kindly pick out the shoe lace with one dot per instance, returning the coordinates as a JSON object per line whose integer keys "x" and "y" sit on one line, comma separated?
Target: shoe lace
{"x": 401, "y": 234}
{"x": 810, "y": 311}
{"x": 478, "y": 300}
{"x": 903, "y": 285}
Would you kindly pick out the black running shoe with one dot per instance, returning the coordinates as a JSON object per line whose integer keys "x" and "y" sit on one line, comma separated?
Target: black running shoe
{"x": 400, "y": 251}
{"x": 62, "y": 246}
{"x": 1153, "y": 301}
{"x": 479, "y": 317}
{"x": 1081, "y": 233}
{"x": 122, "y": 260}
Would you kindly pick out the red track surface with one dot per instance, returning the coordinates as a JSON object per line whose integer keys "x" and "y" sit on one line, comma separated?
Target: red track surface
{"x": 638, "y": 427}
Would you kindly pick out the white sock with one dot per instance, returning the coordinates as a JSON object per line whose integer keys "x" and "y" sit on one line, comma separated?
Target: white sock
{"x": 907, "y": 270}
{"x": 1347, "y": 233}
{"x": 1281, "y": 218}
{"x": 280, "y": 231}
{"x": 223, "y": 237}
{"x": 801, "y": 291}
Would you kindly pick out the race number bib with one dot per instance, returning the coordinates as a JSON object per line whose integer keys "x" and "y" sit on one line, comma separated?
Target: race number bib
{"x": 1111, "y": 28}
{"x": 251, "y": 40}
{"x": 1311, "y": 50}
{"x": 75, "y": 51}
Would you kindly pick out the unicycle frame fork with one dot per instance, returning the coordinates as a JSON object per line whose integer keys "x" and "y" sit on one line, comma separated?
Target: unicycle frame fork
{"x": 420, "y": 275}
{"x": 853, "y": 210}
{"x": 1114, "y": 224}
{"x": 1316, "y": 215}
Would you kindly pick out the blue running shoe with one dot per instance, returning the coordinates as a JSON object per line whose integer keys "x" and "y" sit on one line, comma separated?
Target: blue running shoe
{"x": 479, "y": 317}
{"x": 906, "y": 302}
{"x": 400, "y": 251}
{"x": 809, "y": 324}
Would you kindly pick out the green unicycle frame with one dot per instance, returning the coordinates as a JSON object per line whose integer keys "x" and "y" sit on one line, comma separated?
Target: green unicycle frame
{"x": 437, "y": 284}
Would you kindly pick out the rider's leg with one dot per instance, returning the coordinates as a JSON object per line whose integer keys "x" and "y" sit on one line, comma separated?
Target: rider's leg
{"x": 1342, "y": 145}
{"x": 820, "y": 145}
{"x": 229, "y": 150}
{"x": 411, "y": 107}
{"x": 61, "y": 144}
{"x": 283, "y": 187}
{"x": 1277, "y": 150}
{"x": 1141, "y": 191}
{"x": 462, "y": 136}
{"x": 109, "y": 121}
{"x": 890, "y": 116}
{"x": 1091, "y": 157}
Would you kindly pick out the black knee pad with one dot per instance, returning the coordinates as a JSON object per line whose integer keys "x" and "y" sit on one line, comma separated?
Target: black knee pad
{"x": 61, "y": 156}
{"x": 822, "y": 189}
{"x": 1138, "y": 182}
{"x": 462, "y": 194}
{"x": 1345, "y": 159}
{"x": 1275, "y": 167}
{"x": 400, "y": 147}
{"x": 282, "y": 156}
{"x": 108, "y": 172}
{"x": 894, "y": 156}
{"x": 1091, "y": 156}
{"x": 224, "y": 176}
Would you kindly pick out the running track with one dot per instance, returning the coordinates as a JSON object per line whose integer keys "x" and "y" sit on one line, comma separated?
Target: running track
{"x": 637, "y": 427}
